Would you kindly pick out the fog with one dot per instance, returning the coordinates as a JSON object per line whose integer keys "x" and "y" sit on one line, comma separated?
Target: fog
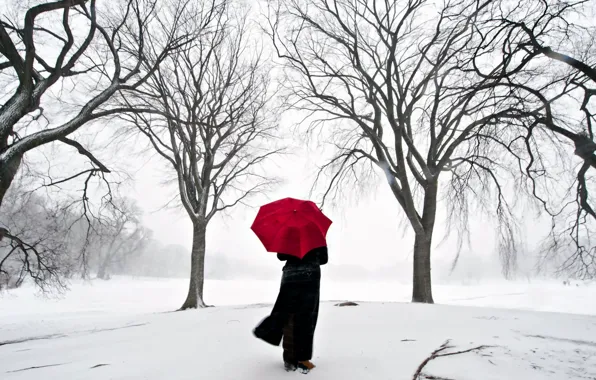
{"x": 368, "y": 241}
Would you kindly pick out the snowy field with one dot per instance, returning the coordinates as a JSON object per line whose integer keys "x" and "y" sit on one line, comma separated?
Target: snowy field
{"x": 124, "y": 329}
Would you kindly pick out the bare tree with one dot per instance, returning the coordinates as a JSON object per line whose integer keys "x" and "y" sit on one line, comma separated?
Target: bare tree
{"x": 59, "y": 43}
{"x": 397, "y": 83}
{"x": 48, "y": 239}
{"x": 552, "y": 45}
{"x": 120, "y": 236}
{"x": 212, "y": 122}
{"x": 38, "y": 240}
{"x": 60, "y": 67}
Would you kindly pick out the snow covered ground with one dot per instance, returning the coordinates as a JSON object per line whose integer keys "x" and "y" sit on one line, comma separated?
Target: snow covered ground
{"x": 123, "y": 329}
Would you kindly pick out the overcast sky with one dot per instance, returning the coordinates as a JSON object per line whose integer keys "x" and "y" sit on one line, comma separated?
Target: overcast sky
{"x": 366, "y": 228}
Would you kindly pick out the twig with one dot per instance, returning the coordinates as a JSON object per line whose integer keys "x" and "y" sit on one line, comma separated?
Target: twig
{"x": 440, "y": 352}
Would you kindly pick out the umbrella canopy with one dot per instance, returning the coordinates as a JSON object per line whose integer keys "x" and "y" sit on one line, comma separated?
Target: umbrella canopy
{"x": 291, "y": 226}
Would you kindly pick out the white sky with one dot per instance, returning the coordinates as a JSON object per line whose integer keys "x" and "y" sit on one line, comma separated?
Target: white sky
{"x": 366, "y": 230}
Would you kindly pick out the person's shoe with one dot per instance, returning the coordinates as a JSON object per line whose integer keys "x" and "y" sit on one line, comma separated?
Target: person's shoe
{"x": 290, "y": 367}
{"x": 305, "y": 367}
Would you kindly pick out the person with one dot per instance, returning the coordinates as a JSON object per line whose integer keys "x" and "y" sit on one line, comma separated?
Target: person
{"x": 296, "y": 310}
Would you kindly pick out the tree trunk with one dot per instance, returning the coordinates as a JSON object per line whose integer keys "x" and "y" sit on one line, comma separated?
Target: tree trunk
{"x": 422, "y": 283}
{"x": 197, "y": 268}
{"x": 102, "y": 273}
{"x": 8, "y": 171}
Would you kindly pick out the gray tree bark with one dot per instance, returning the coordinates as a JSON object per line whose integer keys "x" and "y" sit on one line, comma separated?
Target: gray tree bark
{"x": 8, "y": 171}
{"x": 194, "y": 299}
{"x": 422, "y": 280}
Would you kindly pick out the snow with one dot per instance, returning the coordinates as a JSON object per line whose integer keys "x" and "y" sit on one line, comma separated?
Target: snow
{"x": 124, "y": 329}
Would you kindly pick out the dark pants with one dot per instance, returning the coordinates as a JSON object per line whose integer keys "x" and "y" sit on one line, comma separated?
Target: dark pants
{"x": 294, "y": 315}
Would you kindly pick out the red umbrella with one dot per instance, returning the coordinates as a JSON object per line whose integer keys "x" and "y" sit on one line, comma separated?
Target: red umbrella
{"x": 291, "y": 226}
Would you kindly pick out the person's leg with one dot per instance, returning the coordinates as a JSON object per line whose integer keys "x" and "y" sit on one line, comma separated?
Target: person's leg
{"x": 304, "y": 336}
{"x": 292, "y": 300}
{"x": 303, "y": 341}
{"x": 306, "y": 321}
{"x": 289, "y": 354}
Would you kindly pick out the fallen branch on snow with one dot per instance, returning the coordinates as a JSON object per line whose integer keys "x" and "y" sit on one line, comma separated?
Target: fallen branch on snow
{"x": 438, "y": 353}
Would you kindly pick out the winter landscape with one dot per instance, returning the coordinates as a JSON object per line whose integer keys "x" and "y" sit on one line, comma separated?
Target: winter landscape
{"x": 124, "y": 329}
{"x": 403, "y": 187}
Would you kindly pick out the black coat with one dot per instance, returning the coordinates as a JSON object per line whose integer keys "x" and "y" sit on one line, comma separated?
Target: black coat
{"x": 316, "y": 257}
{"x": 296, "y": 310}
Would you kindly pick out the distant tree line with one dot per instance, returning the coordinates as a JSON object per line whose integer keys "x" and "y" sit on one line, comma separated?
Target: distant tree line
{"x": 48, "y": 242}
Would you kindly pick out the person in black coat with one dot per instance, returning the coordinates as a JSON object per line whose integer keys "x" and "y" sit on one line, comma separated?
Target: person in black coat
{"x": 296, "y": 310}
